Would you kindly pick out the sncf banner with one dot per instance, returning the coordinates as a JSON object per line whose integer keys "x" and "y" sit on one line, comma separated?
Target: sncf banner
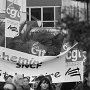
{"x": 65, "y": 67}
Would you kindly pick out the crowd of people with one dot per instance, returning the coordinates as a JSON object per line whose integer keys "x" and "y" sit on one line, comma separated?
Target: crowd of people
{"x": 19, "y": 82}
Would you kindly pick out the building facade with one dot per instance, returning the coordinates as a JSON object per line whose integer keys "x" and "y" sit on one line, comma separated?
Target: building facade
{"x": 50, "y": 11}
{"x": 46, "y": 11}
{"x": 75, "y": 8}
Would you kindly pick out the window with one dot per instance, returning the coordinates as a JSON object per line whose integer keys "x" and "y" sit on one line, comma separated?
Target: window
{"x": 48, "y": 17}
{"x": 48, "y": 14}
{"x": 48, "y": 24}
{"x": 35, "y": 14}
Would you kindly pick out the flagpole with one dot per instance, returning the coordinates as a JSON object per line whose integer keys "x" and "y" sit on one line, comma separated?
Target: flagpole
{"x": 5, "y": 22}
{"x": 5, "y": 42}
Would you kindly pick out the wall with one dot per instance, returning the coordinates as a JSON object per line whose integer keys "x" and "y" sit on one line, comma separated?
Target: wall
{"x": 77, "y": 8}
{"x": 43, "y": 2}
{"x": 2, "y": 6}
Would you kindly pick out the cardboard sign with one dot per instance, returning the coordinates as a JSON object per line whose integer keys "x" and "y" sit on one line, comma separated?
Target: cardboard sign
{"x": 11, "y": 28}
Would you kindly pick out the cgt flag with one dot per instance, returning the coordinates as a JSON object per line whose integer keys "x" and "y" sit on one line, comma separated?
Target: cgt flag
{"x": 13, "y": 11}
{"x": 12, "y": 19}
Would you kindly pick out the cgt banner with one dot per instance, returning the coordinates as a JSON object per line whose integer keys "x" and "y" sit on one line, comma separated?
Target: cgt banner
{"x": 12, "y": 19}
{"x": 66, "y": 67}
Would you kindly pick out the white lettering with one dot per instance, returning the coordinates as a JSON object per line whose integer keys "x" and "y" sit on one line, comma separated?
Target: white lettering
{"x": 68, "y": 56}
{"x": 36, "y": 51}
{"x": 74, "y": 55}
{"x": 13, "y": 12}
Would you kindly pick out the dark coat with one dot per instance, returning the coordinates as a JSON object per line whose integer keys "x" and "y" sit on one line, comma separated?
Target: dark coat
{"x": 82, "y": 86}
{"x": 2, "y": 85}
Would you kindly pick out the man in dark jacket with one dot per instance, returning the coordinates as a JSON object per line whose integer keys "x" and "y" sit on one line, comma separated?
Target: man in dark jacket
{"x": 86, "y": 84}
{"x": 2, "y": 85}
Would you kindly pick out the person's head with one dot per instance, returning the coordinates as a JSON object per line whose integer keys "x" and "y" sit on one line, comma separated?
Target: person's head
{"x": 36, "y": 83}
{"x": 8, "y": 79}
{"x": 9, "y": 86}
{"x": 49, "y": 77}
{"x": 44, "y": 84}
{"x": 87, "y": 75}
{"x": 37, "y": 80}
{"x": 18, "y": 79}
{"x": 26, "y": 81}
